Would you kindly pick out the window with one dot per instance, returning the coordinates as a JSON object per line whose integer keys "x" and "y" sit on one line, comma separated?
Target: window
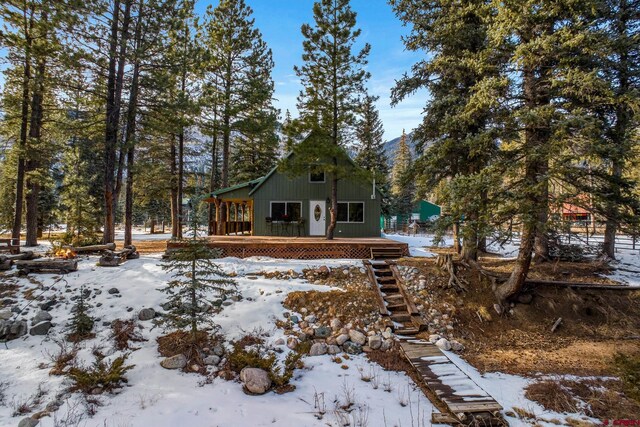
{"x": 316, "y": 177}
{"x": 281, "y": 211}
{"x": 351, "y": 212}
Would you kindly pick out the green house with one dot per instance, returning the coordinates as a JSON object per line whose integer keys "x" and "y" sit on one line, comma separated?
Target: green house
{"x": 423, "y": 211}
{"x": 280, "y": 205}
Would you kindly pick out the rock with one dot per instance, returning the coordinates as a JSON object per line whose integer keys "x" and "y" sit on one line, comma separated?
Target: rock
{"x": 178, "y": 361}
{"x": 341, "y": 339}
{"x": 498, "y": 308}
{"x": 279, "y": 341}
{"x": 10, "y": 330}
{"x": 444, "y": 344}
{"x": 309, "y": 332}
{"x": 331, "y": 341}
{"x": 28, "y": 422}
{"x": 357, "y": 337}
{"x": 310, "y": 319}
{"x": 375, "y": 342}
{"x": 41, "y": 328}
{"x": 318, "y": 349}
{"x": 5, "y": 314}
{"x": 211, "y": 360}
{"x": 147, "y": 314}
{"x": 41, "y": 316}
{"x": 525, "y": 298}
{"x": 352, "y": 348}
{"x": 434, "y": 338}
{"x": 48, "y": 305}
{"x": 387, "y": 334}
{"x": 294, "y": 319}
{"x": 218, "y": 350}
{"x": 333, "y": 349}
{"x": 335, "y": 324}
{"x": 113, "y": 291}
{"x": 303, "y": 310}
{"x": 456, "y": 346}
{"x": 322, "y": 332}
{"x": 292, "y": 343}
{"x": 323, "y": 271}
{"x": 255, "y": 380}
{"x": 386, "y": 344}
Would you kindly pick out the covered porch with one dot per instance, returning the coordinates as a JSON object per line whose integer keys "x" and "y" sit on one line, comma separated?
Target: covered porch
{"x": 231, "y": 216}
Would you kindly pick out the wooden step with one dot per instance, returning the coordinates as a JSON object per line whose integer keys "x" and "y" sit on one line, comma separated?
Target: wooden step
{"x": 386, "y": 253}
{"x": 401, "y": 317}
{"x": 383, "y": 273}
{"x": 389, "y": 288}
{"x": 394, "y": 299}
{"x": 397, "y": 307}
{"x": 406, "y": 331}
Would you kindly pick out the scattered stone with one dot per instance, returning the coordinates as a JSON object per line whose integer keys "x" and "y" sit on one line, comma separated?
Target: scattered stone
{"x": 5, "y": 314}
{"x": 333, "y": 349}
{"x": 318, "y": 349}
{"x": 322, "y": 332}
{"x": 352, "y": 348}
{"x": 10, "y": 330}
{"x": 218, "y": 350}
{"x": 294, "y": 319}
{"x": 28, "y": 422}
{"x": 255, "y": 380}
{"x": 41, "y": 316}
{"x": 279, "y": 341}
{"x": 292, "y": 343}
{"x": 147, "y": 314}
{"x": 48, "y": 305}
{"x": 434, "y": 338}
{"x": 443, "y": 344}
{"x": 386, "y": 345}
{"x": 387, "y": 333}
{"x": 456, "y": 346}
{"x": 375, "y": 342}
{"x": 310, "y": 319}
{"x": 168, "y": 306}
{"x": 113, "y": 291}
{"x": 341, "y": 339}
{"x": 357, "y": 337}
{"x": 178, "y": 361}
{"x": 335, "y": 324}
{"x": 41, "y": 328}
{"x": 211, "y": 360}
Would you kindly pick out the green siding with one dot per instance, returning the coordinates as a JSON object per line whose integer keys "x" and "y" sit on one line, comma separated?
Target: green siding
{"x": 427, "y": 210}
{"x": 280, "y": 187}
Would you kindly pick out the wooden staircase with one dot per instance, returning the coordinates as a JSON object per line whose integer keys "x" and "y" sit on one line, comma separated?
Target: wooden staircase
{"x": 386, "y": 253}
{"x": 395, "y": 302}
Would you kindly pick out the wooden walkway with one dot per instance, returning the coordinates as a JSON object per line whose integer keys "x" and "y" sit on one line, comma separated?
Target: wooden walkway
{"x": 299, "y": 247}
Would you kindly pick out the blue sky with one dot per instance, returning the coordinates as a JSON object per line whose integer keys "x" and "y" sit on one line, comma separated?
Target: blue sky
{"x": 280, "y": 21}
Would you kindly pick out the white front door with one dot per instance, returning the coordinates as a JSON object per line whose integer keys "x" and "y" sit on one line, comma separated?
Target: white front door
{"x": 317, "y": 217}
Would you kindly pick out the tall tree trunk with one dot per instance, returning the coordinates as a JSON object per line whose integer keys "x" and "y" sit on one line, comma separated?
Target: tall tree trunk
{"x": 180, "y": 180}
{"x": 213, "y": 178}
{"x": 111, "y": 130}
{"x": 333, "y": 208}
{"x": 24, "y": 126}
{"x": 35, "y": 136}
{"x": 130, "y": 141}
{"x": 541, "y": 244}
{"x": 174, "y": 191}
{"x": 470, "y": 241}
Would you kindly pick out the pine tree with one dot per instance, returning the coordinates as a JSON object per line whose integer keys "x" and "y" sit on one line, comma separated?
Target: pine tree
{"x": 370, "y": 152}
{"x": 457, "y": 138}
{"x": 333, "y": 78}
{"x": 402, "y": 187}
{"x": 81, "y": 325}
{"x": 195, "y": 279}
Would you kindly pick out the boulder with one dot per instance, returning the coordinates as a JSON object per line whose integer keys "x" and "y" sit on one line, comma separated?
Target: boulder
{"x": 333, "y": 349}
{"x": 341, "y": 339}
{"x": 28, "y": 422}
{"x": 5, "y": 314}
{"x": 386, "y": 345}
{"x": 178, "y": 361}
{"x": 279, "y": 341}
{"x": 456, "y": 346}
{"x": 443, "y": 344}
{"x": 322, "y": 332}
{"x": 375, "y": 342}
{"x": 292, "y": 343}
{"x": 357, "y": 337}
{"x": 211, "y": 360}
{"x": 41, "y": 328}
{"x": 10, "y": 330}
{"x": 147, "y": 314}
{"x": 352, "y": 348}
{"x": 255, "y": 380}
{"x": 113, "y": 291}
{"x": 48, "y": 305}
{"x": 318, "y": 349}
{"x": 41, "y": 316}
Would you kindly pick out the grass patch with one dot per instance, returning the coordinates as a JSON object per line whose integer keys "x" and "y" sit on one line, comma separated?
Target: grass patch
{"x": 124, "y": 332}
{"x": 628, "y": 369}
{"x": 101, "y": 376}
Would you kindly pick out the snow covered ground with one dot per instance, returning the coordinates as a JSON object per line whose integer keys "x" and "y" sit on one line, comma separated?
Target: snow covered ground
{"x": 158, "y": 397}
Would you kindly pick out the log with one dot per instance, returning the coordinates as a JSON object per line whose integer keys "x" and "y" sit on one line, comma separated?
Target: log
{"x": 5, "y": 264}
{"x": 115, "y": 258}
{"x": 27, "y": 255}
{"x": 92, "y": 248}
{"x": 47, "y": 265}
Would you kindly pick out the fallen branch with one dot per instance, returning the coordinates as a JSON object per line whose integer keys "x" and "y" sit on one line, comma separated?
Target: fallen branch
{"x": 556, "y": 324}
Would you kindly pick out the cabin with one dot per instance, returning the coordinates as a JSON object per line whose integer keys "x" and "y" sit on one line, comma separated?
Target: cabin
{"x": 297, "y": 206}
{"x": 422, "y": 212}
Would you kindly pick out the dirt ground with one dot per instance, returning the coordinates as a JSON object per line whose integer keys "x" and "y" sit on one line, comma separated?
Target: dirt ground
{"x": 596, "y": 324}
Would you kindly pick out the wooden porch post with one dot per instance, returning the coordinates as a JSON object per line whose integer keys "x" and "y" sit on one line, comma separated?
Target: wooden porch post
{"x": 217, "y": 203}
{"x": 242, "y": 217}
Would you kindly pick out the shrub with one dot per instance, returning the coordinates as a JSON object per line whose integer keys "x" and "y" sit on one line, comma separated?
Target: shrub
{"x": 101, "y": 376}
{"x": 628, "y": 369}
{"x": 125, "y": 331}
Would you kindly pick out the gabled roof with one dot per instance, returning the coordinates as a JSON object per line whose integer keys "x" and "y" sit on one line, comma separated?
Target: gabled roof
{"x": 236, "y": 187}
{"x": 267, "y": 176}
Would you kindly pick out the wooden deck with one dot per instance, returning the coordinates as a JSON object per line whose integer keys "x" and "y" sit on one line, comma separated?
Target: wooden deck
{"x": 299, "y": 247}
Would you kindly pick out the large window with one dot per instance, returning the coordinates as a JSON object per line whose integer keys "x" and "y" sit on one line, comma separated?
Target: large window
{"x": 351, "y": 212}
{"x": 316, "y": 177}
{"x": 289, "y": 211}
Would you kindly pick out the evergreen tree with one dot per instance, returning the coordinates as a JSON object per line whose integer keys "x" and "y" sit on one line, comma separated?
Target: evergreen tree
{"x": 195, "y": 279}
{"x": 370, "y": 153}
{"x": 333, "y": 79}
{"x": 402, "y": 183}
{"x": 81, "y": 325}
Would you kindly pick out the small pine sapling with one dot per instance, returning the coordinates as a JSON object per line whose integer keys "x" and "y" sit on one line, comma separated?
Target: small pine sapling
{"x": 195, "y": 278}
{"x": 81, "y": 325}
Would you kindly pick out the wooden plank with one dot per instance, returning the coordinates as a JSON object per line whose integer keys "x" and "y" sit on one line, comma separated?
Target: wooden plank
{"x": 379, "y": 297}
{"x": 410, "y": 304}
